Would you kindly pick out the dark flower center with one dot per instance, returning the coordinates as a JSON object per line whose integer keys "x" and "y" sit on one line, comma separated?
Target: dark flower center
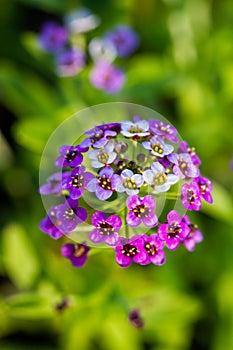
{"x": 53, "y": 183}
{"x": 77, "y": 181}
{"x": 160, "y": 179}
{"x": 70, "y": 214}
{"x": 193, "y": 229}
{"x": 183, "y": 165}
{"x": 105, "y": 183}
{"x": 157, "y": 147}
{"x": 98, "y": 134}
{"x": 79, "y": 250}
{"x": 191, "y": 197}
{"x": 70, "y": 156}
{"x": 191, "y": 151}
{"x": 102, "y": 157}
{"x": 150, "y": 248}
{"x": 164, "y": 128}
{"x": 203, "y": 188}
{"x": 129, "y": 250}
{"x": 174, "y": 230}
{"x": 134, "y": 129}
{"x": 141, "y": 211}
{"x": 130, "y": 183}
{"x": 105, "y": 228}
{"x": 54, "y": 219}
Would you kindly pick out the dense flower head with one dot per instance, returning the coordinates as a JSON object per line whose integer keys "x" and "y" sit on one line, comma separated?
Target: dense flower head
{"x": 113, "y": 184}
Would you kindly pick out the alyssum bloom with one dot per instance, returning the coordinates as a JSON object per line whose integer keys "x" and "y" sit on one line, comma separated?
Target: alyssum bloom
{"x": 128, "y": 166}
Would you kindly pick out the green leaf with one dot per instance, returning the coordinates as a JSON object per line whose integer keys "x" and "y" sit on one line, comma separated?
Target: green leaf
{"x": 19, "y": 258}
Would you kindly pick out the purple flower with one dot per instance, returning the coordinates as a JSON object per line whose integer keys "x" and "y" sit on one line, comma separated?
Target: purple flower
{"x": 184, "y": 147}
{"x": 70, "y": 215}
{"x": 102, "y": 157}
{"x": 130, "y": 182}
{"x": 205, "y": 186}
{"x": 163, "y": 129}
{"x": 191, "y": 199}
{"x": 70, "y": 62}
{"x": 194, "y": 236}
{"x": 184, "y": 166}
{"x": 139, "y": 128}
{"x": 77, "y": 181}
{"x": 51, "y": 224}
{"x": 135, "y": 319}
{"x": 106, "y": 228}
{"x": 54, "y": 183}
{"x": 154, "y": 250}
{"x": 158, "y": 147}
{"x": 70, "y": 156}
{"x": 105, "y": 184}
{"x": 98, "y": 137}
{"x": 158, "y": 178}
{"x": 107, "y": 77}
{"x": 52, "y": 37}
{"x": 131, "y": 251}
{"x": 174, "y": 232}
{"x": 76, "y": 253}
{"x": 141, "y": 210}
{"x": 124, "y": 39}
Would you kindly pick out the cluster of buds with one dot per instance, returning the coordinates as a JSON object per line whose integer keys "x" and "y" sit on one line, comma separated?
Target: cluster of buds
{"x": 115, "y": 181}
{"x": 68, "y": 44}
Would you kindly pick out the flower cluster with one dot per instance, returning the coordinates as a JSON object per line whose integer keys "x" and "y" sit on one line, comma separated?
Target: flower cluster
{"x": 114, "y": 170}
{"x": 67, "y": 43}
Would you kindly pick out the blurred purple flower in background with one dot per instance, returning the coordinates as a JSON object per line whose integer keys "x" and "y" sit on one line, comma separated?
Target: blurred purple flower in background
{"x": 124, "y": 39}
{"x": 70, "y": 62}
{"x": 53, "y": 37}
{"x": 76, "y": 253}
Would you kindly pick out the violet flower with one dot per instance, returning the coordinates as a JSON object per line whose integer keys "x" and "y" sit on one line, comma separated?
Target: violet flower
{"x": 76, "y": 253}
{"x": 174, "y": 232}
{"x": 191, "y": 199}
{"x": 183, "y": 165}
{"x": 124, "y": 39}
{"x": 139, "y": 128}
{"x": 51, "y": 224}
{"x": 105, "y": 184}
{"x": 205, "y": 186}
{"x": 102, "y": 157}
{"x": 70, "y": 215}
{"x": 52, "y": 37}
{"x": 141, "y": 210}
{"x": 153, "y": 246}
{"x": 158, "y": 178}
{"x": 158, "y": 147}
{"x": 70, "y": 156}
{"x": 106, "y": 228}
{"x": 163, "y": 129}
{"x": 194, "y": 236}
{"x": 97, "y": 137}
{"x": 70, "y": 62}
{"x": 131, "y": 251}
{"x": 54, "y": 183}
{"x": 77, "y": 182}
{"x": 130, "y": 182}
{"x": 135, "y": 319}
{"x": 184, "y": 147}
{"x": 104, "y": 76}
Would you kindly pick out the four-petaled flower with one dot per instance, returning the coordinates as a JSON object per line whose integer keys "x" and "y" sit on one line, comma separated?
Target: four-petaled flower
{"x": 163, "y": 129}
{"x": 154, "y": 250}
{"x": 104, "y": 184}
{"x": 97, "y": 137}
{"x": 76, "y": 253}
{"x": 130, "y": 182}
{"x": 77, "y": 181}
{"x": 103, "y": 156}
{"x": 139, "y": 128}
{"x": 205, "y": 186}
{"x": 191, "y": 199}
{"x": 54, "y": 183}
{"x": 158, "y": 147}
{"x": 184, "y": 147}
{"x": 106, "y": 228}
{"x": 51, "y": 224}
{"x": 183, "y": 165}
{"x": 158, "y": 178}
{"x": 131, "y": 251}
{"x": 70, "y": 215}
{"x": 70, "y": 156}
{"x": 194, "y": 236}
{"x": 174, "y": 232}
{"x": 141, "y": 210}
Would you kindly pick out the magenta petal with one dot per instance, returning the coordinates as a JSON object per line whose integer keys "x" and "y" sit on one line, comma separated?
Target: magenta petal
{"x": 116, "y": 181}
{"x": 173, "y": 216}
{"x": 173, "y": 243}
{"x": 189, "y": 244}
{"x": 151, "y": 220}
{"x": 149, "y": 201}
{"x": 132, "y": 220}
{"x": 133, "y": 201}
{"x": 162, "y": 232}
{"x": 102, "y": 194}
{"x": 123, "y": 260}
{"x": 95, "y": 236}
{"x": 97, "y": 217}
{"x": 159, "y": 258}
{"x": 115, "y": 221}
{"x": 140, "y": 257}
{"x": 112, "y": 239}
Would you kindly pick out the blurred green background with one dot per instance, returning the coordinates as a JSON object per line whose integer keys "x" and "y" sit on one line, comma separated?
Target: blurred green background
{"x": 184, "y": 70}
